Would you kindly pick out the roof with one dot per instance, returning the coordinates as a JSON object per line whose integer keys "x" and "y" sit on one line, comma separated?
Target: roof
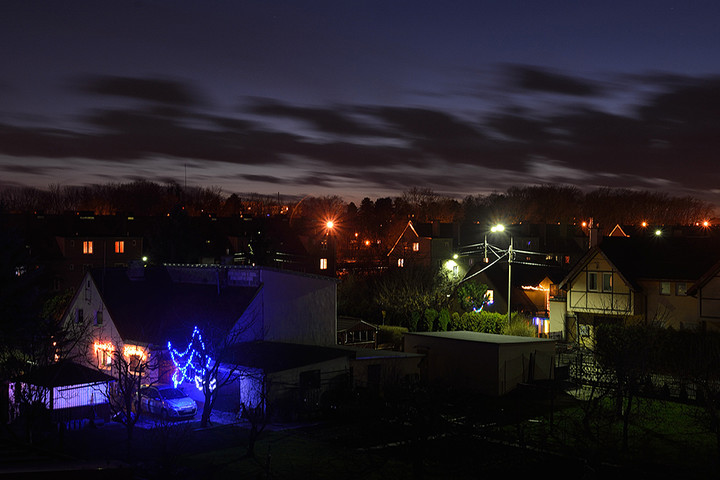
{"x": 400, "y": 237}
{"x": 346, "y": 323}
{"x": 657, "y": 258}
{"x": 153, "y": 309}
{"x": 278, "y": 356}
{"x": 63, "y": 374}
{"x": 479, "y": 337}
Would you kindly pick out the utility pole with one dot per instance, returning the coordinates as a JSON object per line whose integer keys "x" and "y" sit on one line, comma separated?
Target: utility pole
{"x": 510, "y": 255}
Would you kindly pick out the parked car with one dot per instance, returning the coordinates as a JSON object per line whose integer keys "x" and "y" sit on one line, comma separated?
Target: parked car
{"x": 167, "y": 402}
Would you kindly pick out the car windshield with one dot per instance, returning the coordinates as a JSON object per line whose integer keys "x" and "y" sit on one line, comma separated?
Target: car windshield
{"x": 172, "y": 393}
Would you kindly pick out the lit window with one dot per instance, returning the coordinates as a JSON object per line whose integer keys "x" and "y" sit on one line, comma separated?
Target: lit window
{"x": 135, "y": 356}
{"x": 592, "y": 281}
{"x": 607, "y": 282}
{"x": 88, "y": 247}
{"x": 664, "y": 288}
{"x": 120, "y": 247}
{"x": 681, "y": 288}
{"x": 323, "y": 264}
{"x": 104, "y": 352}
{"x": 416, "y": 247}
{"x": 401, "y": 262}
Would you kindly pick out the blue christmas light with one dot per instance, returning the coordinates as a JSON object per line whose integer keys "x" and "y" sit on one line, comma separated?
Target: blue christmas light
{"x": 189, "y": 364}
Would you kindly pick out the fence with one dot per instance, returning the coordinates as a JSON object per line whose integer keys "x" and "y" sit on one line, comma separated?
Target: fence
{"x": 585, "y": 372}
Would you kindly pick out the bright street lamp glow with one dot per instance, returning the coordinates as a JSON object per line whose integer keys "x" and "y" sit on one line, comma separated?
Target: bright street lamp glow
{"x": 330, "y": 224}
{"x": 498, "y": 228}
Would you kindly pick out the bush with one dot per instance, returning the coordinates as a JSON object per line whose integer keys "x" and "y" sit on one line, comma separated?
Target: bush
{"x": 443, "y": 320}
{"x": 520, "y": 326}
{"x": 390, "y": 335}
{"x": 428, "y": 320}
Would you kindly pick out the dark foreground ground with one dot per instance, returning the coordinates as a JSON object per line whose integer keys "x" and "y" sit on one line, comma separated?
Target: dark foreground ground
{"x": 293, "y": 451}
{"x": 350, "y": 448}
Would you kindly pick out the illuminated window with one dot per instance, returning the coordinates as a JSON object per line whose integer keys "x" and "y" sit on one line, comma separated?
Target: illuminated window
{"x": 135, "y": 356}
{"x": 592, "y": 281}
{"x": 416, "y": 247}
{"x": 607, "y": 282}
{"x": 120, "y": 247}
{"x": 104, "y": 352}
{"x": 664, "y": 288}
{"x": 401, "y": 262}
{"x": 87, "y": 247}
{"x": 681, "y": 288}
{"x": 323, "y": 264}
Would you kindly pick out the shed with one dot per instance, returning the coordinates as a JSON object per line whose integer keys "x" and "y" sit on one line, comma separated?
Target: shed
{"x": 71, "y": 392}
{"x": 482, "y": 362}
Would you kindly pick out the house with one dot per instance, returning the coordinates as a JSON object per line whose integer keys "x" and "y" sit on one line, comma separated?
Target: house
{"x": 531, "y": 285}
{"x": 82, "y": 253}
{"x": 277, "y": 329}
{"x": 645, "y": 277}
{"x": 137, "y": 311}
{"x": 488, "y": 364}
{"x": 707, "y": 292}
{"x": 355, "y": 332}
{"x": 71, "y": 392}
{"x": 425, "y": 245}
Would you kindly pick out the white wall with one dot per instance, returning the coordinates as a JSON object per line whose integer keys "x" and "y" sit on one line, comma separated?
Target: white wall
{"x": 299, "y": 308}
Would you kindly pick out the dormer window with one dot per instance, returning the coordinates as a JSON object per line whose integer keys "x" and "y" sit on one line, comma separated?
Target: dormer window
{"x": 416, "y": 246}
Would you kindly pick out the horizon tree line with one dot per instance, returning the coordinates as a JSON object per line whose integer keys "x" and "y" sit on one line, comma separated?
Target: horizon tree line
{"x": 534, "y": 204}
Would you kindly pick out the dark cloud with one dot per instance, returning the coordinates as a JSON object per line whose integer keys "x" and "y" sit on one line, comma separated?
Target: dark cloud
{"x": 541, "y": 80}
{"x": 328, "y": 120}
{"x": 169, "y": 92}
{"x": 263, "y": 178}
{"x": 669, "y": 140}
{"x": 423, "y": 123}
{"x": 26, "y": 169}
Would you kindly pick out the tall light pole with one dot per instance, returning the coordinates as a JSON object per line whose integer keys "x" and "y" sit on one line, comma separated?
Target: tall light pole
{"x": 510, "y": 254}
{"x": 501, "y": 228}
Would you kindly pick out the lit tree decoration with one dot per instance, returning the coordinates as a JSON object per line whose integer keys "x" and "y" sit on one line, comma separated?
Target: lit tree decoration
{"x": 193, "y": 363}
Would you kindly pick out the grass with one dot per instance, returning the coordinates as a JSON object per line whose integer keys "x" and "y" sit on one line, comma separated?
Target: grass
{"x": 662, "y": 435}
{"x": 665, "y": 439}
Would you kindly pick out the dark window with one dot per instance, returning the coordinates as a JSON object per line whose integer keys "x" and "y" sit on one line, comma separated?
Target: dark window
{"x": 592, "y": 281}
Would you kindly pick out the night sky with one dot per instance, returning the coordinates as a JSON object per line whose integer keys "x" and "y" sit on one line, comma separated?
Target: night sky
{"x": 362, "y": 98}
